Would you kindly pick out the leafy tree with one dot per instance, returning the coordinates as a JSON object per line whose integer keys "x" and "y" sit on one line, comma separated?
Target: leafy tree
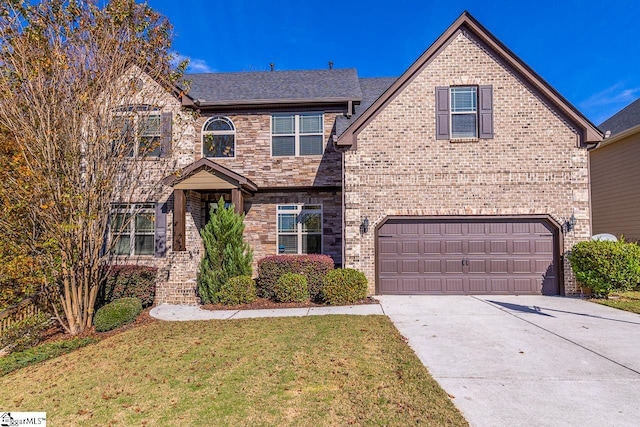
{"x": 226, "y": 254}
{"x": 67, "y": 67}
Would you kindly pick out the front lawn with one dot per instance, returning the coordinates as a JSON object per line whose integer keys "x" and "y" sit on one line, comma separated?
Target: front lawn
{"x": 628, "y": 301}
{"x": 325, "y": 370}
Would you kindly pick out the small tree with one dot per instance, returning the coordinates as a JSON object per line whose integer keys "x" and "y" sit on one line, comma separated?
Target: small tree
{"x": 226, "y": 254}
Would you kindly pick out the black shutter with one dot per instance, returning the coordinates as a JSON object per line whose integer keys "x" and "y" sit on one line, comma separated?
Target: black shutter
{"x": 165, "y": 138}
{"x": 161, "y": 230}
{"x": 485, "y": 112}
{"x": 442, "y": 112}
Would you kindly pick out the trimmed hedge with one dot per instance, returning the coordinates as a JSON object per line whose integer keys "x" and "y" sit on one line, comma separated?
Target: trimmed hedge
{"x": 312, "y": 267}
{"x": 237, "y": 290}
{"x": 344, "y": 286}
{"x": 291, "y": 287}
{"x": 604, "y": 266}
{"x": 129, "y": 281}
{"x": 117, "y": 313}
{"x": 25, "y": 333}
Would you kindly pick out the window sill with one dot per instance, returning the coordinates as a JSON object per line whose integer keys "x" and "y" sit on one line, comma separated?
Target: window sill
{"x": 456, "y": 140}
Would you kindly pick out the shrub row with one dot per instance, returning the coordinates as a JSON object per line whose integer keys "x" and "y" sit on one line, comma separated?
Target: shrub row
{"x": 604, "y": 266}
{"x": 312, "y": 267}
{"x": 128, "y": 281}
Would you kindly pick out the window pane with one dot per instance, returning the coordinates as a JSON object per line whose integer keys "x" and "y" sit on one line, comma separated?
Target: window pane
{"x": 218, "y": 124}
{"x": 144, "y": 222}
{"x": 119, "y": 223}
{"x": 311, "y": 123}
{"x": 463, "y": 99}
{"x": 311, "y": 243}
{"x": 310, "y": 145}
{"x": 219, "y": 145}
{"x": 283, "y": 124}
{"x": 144, "y": 244}
{"x": 311, "y": 222}
{"x": 283, "y": 146}
{"x": 122, "y": 245}
{"x": 287, "y": 244}
{"x": 287, "y": 208}
{"x": 150, "y": 125}
{"x": 149, "y": 146}
{"x": 287, "y": 222}
{"x": 463, "y": 126}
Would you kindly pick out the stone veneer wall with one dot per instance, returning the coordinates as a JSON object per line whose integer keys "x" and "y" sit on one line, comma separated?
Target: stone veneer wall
{"x": 532, "y": 165}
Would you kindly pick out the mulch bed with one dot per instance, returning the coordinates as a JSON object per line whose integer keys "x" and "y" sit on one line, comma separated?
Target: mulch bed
{"x": 263, "y": 303}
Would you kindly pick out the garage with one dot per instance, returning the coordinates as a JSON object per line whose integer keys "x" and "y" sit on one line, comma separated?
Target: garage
{"x": 416, "y": 256}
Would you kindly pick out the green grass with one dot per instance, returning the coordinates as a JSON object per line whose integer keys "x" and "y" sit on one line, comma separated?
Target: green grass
{"x": 627, "y": 301}
{"x": 308, "y": 371}
{"x": 18, "y": 360}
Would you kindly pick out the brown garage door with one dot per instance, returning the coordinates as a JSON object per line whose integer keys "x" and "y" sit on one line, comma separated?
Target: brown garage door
{"x": 514, "y": 256}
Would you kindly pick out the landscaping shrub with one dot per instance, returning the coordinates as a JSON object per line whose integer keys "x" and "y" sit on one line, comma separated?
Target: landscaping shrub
{"x": 238, "y": 290}
{"x": 344, "y": 286}
{"x": 226, "y": 254}
{"x": 129, "y": 281}
{"x": 25, "y": 333}
{"x": 117, "y": 313}
{"x": 312, "y": 267}
{"x": 291, "y": 287}
{"x": 604, "y": 266}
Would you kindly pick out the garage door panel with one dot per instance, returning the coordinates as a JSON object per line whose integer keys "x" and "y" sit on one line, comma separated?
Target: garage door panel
{"x": 467, "y": 256}
{"x": 432, "y": 266}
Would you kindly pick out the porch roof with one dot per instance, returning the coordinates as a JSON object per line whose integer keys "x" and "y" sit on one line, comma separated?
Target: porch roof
{"x": 205, "y": 174}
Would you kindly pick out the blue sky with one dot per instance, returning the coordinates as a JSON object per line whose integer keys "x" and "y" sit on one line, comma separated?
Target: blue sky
{"x": 588, "y": 50}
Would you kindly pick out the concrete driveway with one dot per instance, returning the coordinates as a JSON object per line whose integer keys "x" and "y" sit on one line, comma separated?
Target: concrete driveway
{"x": 527, "y": 360}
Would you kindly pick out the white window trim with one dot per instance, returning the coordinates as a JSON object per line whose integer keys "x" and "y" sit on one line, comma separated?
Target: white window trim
{"x": 136, "y": 118}
{"x": 132, "y": 209}
{"x": 460, "y": 113}
{"x": 296, "y": 134}
{"x": 299, "y": 208}
{"x": 219, "y": 132}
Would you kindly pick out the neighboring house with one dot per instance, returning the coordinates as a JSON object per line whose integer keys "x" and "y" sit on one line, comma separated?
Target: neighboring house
{"x": 615, "y": 175}
{"x": 461, "y": 176}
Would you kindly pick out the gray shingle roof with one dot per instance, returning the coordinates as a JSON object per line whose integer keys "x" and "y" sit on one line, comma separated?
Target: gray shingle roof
{"x": 624, "y": 119}
{"x": 274, "y": 86}
{"x": 371, "y": 88}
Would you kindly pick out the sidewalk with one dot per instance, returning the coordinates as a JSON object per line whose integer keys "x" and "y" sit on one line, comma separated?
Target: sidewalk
{"x": 180, "y": 313}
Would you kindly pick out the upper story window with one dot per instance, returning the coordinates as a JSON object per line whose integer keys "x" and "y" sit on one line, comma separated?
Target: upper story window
{"x": 218, "y": 138}
{"x": 464, "y": 112}
{"x": 139, "y": 129}
{"x": 297, "y": 134}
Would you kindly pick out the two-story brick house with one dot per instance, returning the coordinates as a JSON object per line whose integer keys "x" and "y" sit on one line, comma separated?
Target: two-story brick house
{"x": 467, "y": 174}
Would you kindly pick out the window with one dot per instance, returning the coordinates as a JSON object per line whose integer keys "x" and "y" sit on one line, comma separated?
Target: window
{"x": 133, "y": 229}
{"x": 464, "y": 112}
{"x": 139, "y": 130}
{"x": 218, "y": 138}
{"x": 297, "y": 134}
{"x": 299, "y": 229}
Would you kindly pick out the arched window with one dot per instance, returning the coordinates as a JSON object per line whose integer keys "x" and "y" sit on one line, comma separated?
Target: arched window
{"x": 218, "y": 138}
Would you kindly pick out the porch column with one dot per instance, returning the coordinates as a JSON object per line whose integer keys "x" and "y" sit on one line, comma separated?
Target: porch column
{"x": 237, "y": 200}
{"x": 179, "y": 220}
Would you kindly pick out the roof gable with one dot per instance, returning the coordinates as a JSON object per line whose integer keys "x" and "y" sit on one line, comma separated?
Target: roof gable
{"x": 466, "y": 23}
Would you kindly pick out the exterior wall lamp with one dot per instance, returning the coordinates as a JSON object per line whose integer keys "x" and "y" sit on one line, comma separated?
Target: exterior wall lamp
{"x": 569, "y": 224}
{"x": 364, "y": 227}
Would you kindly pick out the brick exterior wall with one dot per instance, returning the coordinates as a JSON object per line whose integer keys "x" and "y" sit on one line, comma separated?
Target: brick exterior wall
{"x": 531, "y": 166}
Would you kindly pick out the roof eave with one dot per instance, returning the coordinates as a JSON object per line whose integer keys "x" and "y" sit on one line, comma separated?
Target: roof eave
{"x": 619, "y": 136}
{"x": 253, "y": 102}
